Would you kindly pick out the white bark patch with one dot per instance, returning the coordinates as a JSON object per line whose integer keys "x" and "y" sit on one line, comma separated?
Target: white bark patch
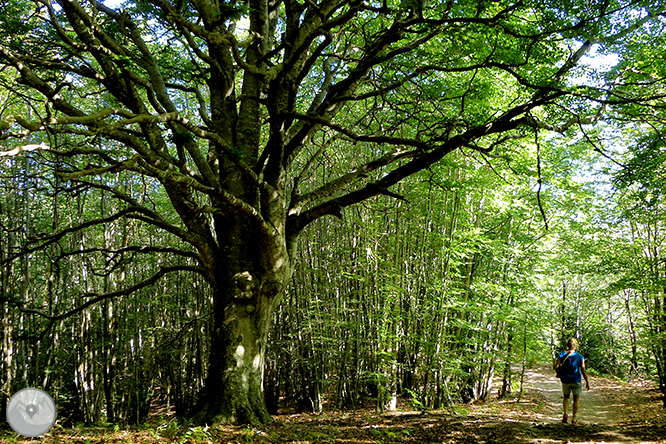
{"x": 278, "y": 264}
{"x": 244, "y": 284}
{"x": 256, "y": 362}
{"x": 240, "y": 352}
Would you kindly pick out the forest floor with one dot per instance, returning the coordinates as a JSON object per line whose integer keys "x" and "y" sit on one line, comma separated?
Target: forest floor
{"x": 611, "y": 412}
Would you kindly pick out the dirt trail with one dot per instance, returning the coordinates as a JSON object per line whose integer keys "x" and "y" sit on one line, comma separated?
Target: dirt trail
{"x": 607, "y": 413}
{"x": 595, "y": 410}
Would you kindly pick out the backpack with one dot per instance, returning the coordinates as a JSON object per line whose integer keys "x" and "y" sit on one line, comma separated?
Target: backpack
{"x": 559, "y": 370}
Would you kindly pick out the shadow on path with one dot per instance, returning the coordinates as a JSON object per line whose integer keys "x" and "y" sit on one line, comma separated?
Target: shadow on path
{"x": 600, "y": 413}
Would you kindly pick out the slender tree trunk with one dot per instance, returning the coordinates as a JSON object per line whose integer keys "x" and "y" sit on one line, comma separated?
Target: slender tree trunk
{"x": 563, "y": 325}
{"x": 507, "y": 374}
{"x": 6, "y": 321}
{"x": 108, "y": 375}
{"x": 524, "y": 366}
{"x": 7, "y": 352}
{"x": 632, "y": 333}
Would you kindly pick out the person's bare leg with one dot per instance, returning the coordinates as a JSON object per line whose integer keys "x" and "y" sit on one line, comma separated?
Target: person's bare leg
{"x": 565, "y": 407}
{"x": 575, "y": 407}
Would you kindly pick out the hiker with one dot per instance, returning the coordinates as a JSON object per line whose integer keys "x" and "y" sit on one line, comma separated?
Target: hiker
{"x": 572, "y": 366}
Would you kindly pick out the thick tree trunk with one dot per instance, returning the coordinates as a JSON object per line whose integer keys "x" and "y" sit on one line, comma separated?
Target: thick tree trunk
{"x": 244, "y": 303}
{"x": 234, "y": 387}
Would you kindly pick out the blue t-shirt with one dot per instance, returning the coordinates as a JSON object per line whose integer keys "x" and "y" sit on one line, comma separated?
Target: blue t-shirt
{"x": 571, "y": 367}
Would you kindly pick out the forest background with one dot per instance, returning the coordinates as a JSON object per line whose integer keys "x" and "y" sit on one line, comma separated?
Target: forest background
{"x": 526, "y": 201}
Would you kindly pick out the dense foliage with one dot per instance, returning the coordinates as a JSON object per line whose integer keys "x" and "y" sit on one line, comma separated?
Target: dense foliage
{"x": 166, "y": 167}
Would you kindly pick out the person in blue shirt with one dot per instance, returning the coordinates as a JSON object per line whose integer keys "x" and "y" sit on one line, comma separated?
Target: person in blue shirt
{"x": 572, "y": 365}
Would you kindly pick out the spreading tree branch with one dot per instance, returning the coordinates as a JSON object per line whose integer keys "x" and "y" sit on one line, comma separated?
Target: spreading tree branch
{"x": 94, "y": 298}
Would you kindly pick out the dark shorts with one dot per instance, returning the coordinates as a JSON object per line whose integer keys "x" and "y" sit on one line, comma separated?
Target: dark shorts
{"x": 575, "y": 387}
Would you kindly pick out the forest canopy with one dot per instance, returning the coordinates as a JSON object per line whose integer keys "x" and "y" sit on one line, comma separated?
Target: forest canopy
{"x": 167, "y": 166}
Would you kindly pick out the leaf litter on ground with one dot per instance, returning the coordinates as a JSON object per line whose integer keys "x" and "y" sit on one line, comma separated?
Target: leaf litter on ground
{"x": 617, "y": 411}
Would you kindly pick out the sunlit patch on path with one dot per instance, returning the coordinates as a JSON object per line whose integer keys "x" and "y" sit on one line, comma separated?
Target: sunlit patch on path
{"x": 602, "y": 412}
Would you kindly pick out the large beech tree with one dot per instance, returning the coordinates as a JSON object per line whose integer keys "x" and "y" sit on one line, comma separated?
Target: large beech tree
{"x": 231, "y": 108}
